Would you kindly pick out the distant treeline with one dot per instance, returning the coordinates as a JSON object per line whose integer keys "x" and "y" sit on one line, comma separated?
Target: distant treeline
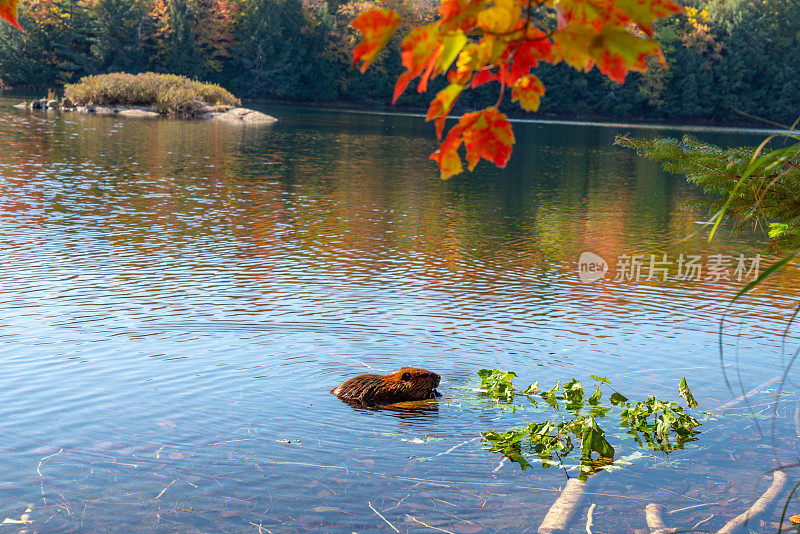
{"x": 723, "y": 56}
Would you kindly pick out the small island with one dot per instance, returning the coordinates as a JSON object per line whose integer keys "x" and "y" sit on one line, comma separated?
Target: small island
{"x": 148, "y": 95}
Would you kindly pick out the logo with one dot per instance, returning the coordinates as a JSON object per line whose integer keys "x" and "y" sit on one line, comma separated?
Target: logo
{"x": 591, "y": 267}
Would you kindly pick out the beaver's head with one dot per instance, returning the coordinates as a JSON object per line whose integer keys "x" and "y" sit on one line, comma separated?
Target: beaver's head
{"x": 412, "y": 383}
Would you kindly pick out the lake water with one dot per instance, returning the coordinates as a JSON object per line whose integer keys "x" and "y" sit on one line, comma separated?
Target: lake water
{"x": 177, "y": 299}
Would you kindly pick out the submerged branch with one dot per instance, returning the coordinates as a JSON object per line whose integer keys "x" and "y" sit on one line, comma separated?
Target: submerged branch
{"x": 562, "y": 511}
{"x": 384, "y": 519}
{"x": 760, "y": 506}
{"x": 652, "y": 514}
{"x": 590, "y": 518}
{"x": 747, "y": 395}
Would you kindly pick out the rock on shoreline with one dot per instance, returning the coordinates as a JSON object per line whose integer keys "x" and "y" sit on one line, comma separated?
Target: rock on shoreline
{"x": 217, "y": 113}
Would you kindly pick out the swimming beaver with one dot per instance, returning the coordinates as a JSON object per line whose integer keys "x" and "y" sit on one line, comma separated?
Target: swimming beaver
{"x": 407, "y": 384}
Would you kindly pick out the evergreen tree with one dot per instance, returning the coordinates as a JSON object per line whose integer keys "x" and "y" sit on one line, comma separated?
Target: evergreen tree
{"x": 280, "y": 53}
{"x": 119, "y": 44}
{"x": 721, "y": 57}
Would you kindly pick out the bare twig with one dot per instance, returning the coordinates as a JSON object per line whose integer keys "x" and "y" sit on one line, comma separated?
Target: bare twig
{"x": 360, "y": 362}
{"x": 590, "y": 519}
{"x": 429, "y": 526}
{"x": 454, "y": 447}
{"x": 39, "y": 471}
{"x": 398, "y": 503}
{"x": 456, "y": 517}
{"x": 232, "y": 441}
{"x": 709, "y": 518}
{"x": 165, "y": 488}
{"x": 385, "y": 520}
{"x": 501, "y": 464}
{"x": 692, "y": 507}
{"x": 38, "y": 467}
{"x": 261, "y": 528}
{"x": 304, "y": 464}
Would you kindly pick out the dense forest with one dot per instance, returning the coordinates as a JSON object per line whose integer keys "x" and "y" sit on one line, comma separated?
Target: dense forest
{"x": 723, "y": 58}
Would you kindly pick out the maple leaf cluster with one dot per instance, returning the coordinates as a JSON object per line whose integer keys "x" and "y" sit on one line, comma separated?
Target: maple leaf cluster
{"x": 480, "y": 41}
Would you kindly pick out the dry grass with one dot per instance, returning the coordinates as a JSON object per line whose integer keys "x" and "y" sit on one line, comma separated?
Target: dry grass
{"x": 165, "y": 93}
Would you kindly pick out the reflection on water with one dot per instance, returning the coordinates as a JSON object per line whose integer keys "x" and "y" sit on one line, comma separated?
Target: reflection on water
{"x": 177, "y": 300}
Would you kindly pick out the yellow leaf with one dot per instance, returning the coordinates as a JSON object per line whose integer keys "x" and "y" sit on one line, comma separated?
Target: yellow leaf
{"x": 571, "y": 44}
{"x": 528, "y": 90}
{"x": 502, "y": 17}
{"x": 615, "y": 50}
{"x": 442, "y": 105}
{"x": 453, "y": 44}
{"x": 421, "y": 49}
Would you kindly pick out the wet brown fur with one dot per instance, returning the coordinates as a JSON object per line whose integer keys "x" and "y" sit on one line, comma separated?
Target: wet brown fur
{"x": 407, "y": 384}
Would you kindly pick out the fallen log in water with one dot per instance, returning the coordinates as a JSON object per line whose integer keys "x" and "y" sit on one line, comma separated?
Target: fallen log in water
{"x": 652, "y": 514}
{"x": 562, "y": 511}
{"x": 750, "y": 393}
{"x": 760, "y": 506}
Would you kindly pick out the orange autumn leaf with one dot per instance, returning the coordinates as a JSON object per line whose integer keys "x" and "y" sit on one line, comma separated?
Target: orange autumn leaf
{"x": 447, "y": 157}
{"x": 528, "y": 90}
{"x": 483, "y": 77}
{"x": 377, "y": 26}
{"x": 421, "y": 47}
{"x": 537, "y": 47}
{"x": 602, "y": 13}
{"x": 479, "y": 41}
{"x": 595, "y": 13}
{"x": 485, "y": 134}
{"x": 446, "y": 49}
{"x": 471, "y": 58}
{"x": 490, "y": 138}
{"x": 459, "y": 14}
{"x": 9, "y": 10}
{"x": 618, "y": 51}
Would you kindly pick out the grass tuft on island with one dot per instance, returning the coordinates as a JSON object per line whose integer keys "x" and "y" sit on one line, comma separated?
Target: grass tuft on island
{"x": 167, "y": 94}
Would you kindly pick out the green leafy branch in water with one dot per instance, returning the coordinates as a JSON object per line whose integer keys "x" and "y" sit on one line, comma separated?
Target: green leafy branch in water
{"x": 653, "y": 423}
{"x": 667, "y": 416}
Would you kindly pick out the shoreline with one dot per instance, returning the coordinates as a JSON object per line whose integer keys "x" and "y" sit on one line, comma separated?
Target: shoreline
{"x": 687, "y": 127}
{"x": 225, "y": 113}
{"x": 686, "y": 124}
{"x": 252, "y": 116}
